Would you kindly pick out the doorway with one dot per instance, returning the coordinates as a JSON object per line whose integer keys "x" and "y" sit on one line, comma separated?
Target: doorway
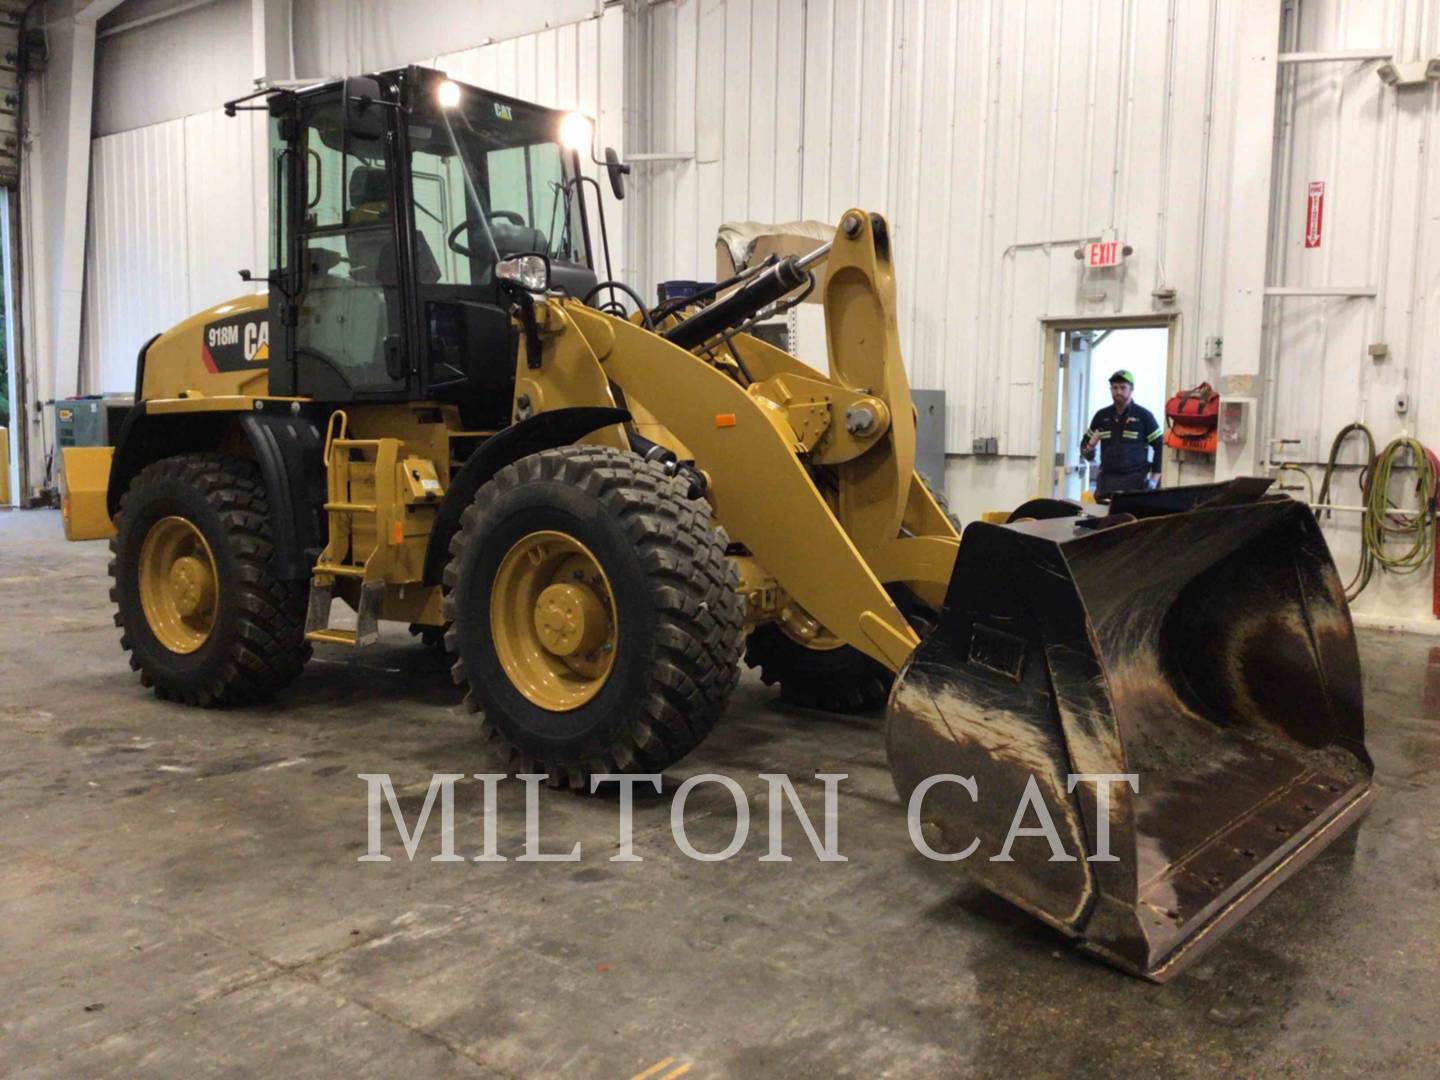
{"x": 1080, "y": 357}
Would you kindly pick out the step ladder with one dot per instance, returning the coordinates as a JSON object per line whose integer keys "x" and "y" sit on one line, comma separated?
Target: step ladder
{"x": 360, "y": 506}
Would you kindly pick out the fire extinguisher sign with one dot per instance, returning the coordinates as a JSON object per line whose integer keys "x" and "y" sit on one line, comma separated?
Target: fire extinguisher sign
{"x": 1314, "y": 213}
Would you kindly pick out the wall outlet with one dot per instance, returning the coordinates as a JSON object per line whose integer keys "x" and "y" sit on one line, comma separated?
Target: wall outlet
{"x": 985, "y": 444}
{"x": 1402, "y": 403}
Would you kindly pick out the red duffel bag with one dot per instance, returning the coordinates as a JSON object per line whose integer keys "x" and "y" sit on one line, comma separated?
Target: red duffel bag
{"x": 1191, "y": 419}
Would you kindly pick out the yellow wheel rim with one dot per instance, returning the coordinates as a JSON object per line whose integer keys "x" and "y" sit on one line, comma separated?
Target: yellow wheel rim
{"x": 801, "y": 627}
{"x": 552, "y": 618}
{"x": 179, "y": 585}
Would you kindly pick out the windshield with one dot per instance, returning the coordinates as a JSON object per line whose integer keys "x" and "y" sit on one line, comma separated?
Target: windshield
{"x": 490, "y": 180}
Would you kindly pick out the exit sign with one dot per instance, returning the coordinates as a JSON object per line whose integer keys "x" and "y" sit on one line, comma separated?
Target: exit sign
{"x": 1104, "y": 253}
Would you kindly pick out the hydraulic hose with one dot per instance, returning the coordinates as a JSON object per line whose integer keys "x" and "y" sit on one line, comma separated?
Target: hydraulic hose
{"x": 614, "y": 307}
{"x": 785, "y": 276}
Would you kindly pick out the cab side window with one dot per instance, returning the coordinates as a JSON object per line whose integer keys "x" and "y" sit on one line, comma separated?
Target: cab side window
{"x": 350, "y": 309}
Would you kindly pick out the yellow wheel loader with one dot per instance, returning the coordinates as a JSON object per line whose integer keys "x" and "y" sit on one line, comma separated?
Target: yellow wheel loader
{"x": 440, "y": 415}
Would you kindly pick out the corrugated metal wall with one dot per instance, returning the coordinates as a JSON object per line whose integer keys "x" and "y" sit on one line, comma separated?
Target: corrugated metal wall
{"x": 1371, "y": 145}
{"x": 988, "y": 132}
{"x": 189, "y": 61}
{"x": 333, "y": 37}
{"x": 995, "y": 133}
{"x": 176, "y": 209}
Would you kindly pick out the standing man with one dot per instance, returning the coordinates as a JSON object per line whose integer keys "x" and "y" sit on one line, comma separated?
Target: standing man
{"x": 1126, "y": 434}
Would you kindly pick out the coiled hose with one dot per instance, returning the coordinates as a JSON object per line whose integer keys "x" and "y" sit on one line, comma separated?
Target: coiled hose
{"x": 1356, "y": 585}
{"x": 1381, "y": 524}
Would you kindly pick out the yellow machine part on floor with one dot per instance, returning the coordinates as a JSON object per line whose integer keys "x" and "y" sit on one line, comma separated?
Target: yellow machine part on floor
{"x": 84, "y": 475}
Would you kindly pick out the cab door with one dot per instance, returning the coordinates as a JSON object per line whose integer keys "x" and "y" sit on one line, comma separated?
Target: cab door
{"x": 344, "y": 334}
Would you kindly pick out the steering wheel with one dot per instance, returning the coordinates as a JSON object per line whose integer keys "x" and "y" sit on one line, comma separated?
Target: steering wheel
{"x": 453, "y": 240}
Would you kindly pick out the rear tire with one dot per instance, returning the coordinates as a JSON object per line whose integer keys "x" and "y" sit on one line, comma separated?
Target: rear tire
{"x": 432, "y": 638}
{"x": 664, "y": 598}
{"x": 248, "y": 639}
{"x": 841, "y": 679}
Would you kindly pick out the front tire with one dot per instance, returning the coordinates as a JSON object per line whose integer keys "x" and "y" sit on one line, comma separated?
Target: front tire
{"x": 596, "y": 621}
{"x": 202, "y": 614}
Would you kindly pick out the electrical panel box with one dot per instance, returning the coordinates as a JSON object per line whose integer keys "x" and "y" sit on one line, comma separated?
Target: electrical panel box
{"x": 777, "y": 332}
{"x": 1236, "y": 449}
{"x": 930, "y": 435}
{"x": 90, "y": 421}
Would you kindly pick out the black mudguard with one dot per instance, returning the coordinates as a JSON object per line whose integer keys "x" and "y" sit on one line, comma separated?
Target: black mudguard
{"x": 287, "y": 445}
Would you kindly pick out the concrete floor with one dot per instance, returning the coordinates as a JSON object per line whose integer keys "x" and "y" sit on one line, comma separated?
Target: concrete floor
{"x": 179, "y": 895}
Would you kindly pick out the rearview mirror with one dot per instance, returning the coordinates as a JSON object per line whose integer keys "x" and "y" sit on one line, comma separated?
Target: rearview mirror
{"x": 364, "y": 108}
{"x": 617, "y": 170}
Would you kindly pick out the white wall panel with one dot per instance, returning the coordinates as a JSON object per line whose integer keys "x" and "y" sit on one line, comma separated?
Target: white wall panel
{"x": 1372, "y": 147}
{"x": 336, "y": 37}
{"x": 995, "y": 133}
{"x": 175, "y": 210}
{"x": 984, "y": 130}
{"x": 178, "y": 65}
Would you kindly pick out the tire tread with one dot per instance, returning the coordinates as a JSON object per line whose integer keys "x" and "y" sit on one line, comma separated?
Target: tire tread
{"x": 693, "y": 590}
{"x": 269, "y": 648}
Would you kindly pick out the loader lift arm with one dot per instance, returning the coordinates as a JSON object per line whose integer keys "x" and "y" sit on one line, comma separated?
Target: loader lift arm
{"x": 751, "y": 443}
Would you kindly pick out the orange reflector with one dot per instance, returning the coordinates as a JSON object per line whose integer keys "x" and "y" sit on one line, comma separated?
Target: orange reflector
{"x": 725, "y": 419}
{"x": 65, "y": 507}
{"x": 397, "y": 533}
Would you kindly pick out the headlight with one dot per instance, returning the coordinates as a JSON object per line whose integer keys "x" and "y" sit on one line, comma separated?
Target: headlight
{"x": 530, "y": 271}
{"x": 448, "y": 94}
{"x": 576, "y": 131}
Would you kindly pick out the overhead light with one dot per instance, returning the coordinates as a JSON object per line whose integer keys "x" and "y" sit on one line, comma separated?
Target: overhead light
{"x": 576, "y": 132}
{"x": 1415, "y": 73}
{"x": 448, "y": 94}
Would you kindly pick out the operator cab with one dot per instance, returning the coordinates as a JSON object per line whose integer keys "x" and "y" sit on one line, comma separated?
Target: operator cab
{"x": 394, "y": 197}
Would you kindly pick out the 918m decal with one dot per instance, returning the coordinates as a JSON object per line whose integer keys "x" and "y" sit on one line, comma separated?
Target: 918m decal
{"x": 236, "y": 342}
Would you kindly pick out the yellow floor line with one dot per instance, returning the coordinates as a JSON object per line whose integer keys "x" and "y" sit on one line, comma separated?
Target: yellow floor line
{"x": 653, "y": 1069}
{"x": 680, "y": 1071}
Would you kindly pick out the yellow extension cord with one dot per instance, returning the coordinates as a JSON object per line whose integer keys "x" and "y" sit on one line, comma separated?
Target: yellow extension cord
{"x": 1381, "y": 523}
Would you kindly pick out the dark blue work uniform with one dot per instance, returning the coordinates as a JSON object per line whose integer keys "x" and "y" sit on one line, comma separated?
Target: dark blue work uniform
{"x": 1126, "y": 441}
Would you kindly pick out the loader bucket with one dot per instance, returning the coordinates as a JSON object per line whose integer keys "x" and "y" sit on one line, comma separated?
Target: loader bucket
{"x": 1197, "y": 638}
